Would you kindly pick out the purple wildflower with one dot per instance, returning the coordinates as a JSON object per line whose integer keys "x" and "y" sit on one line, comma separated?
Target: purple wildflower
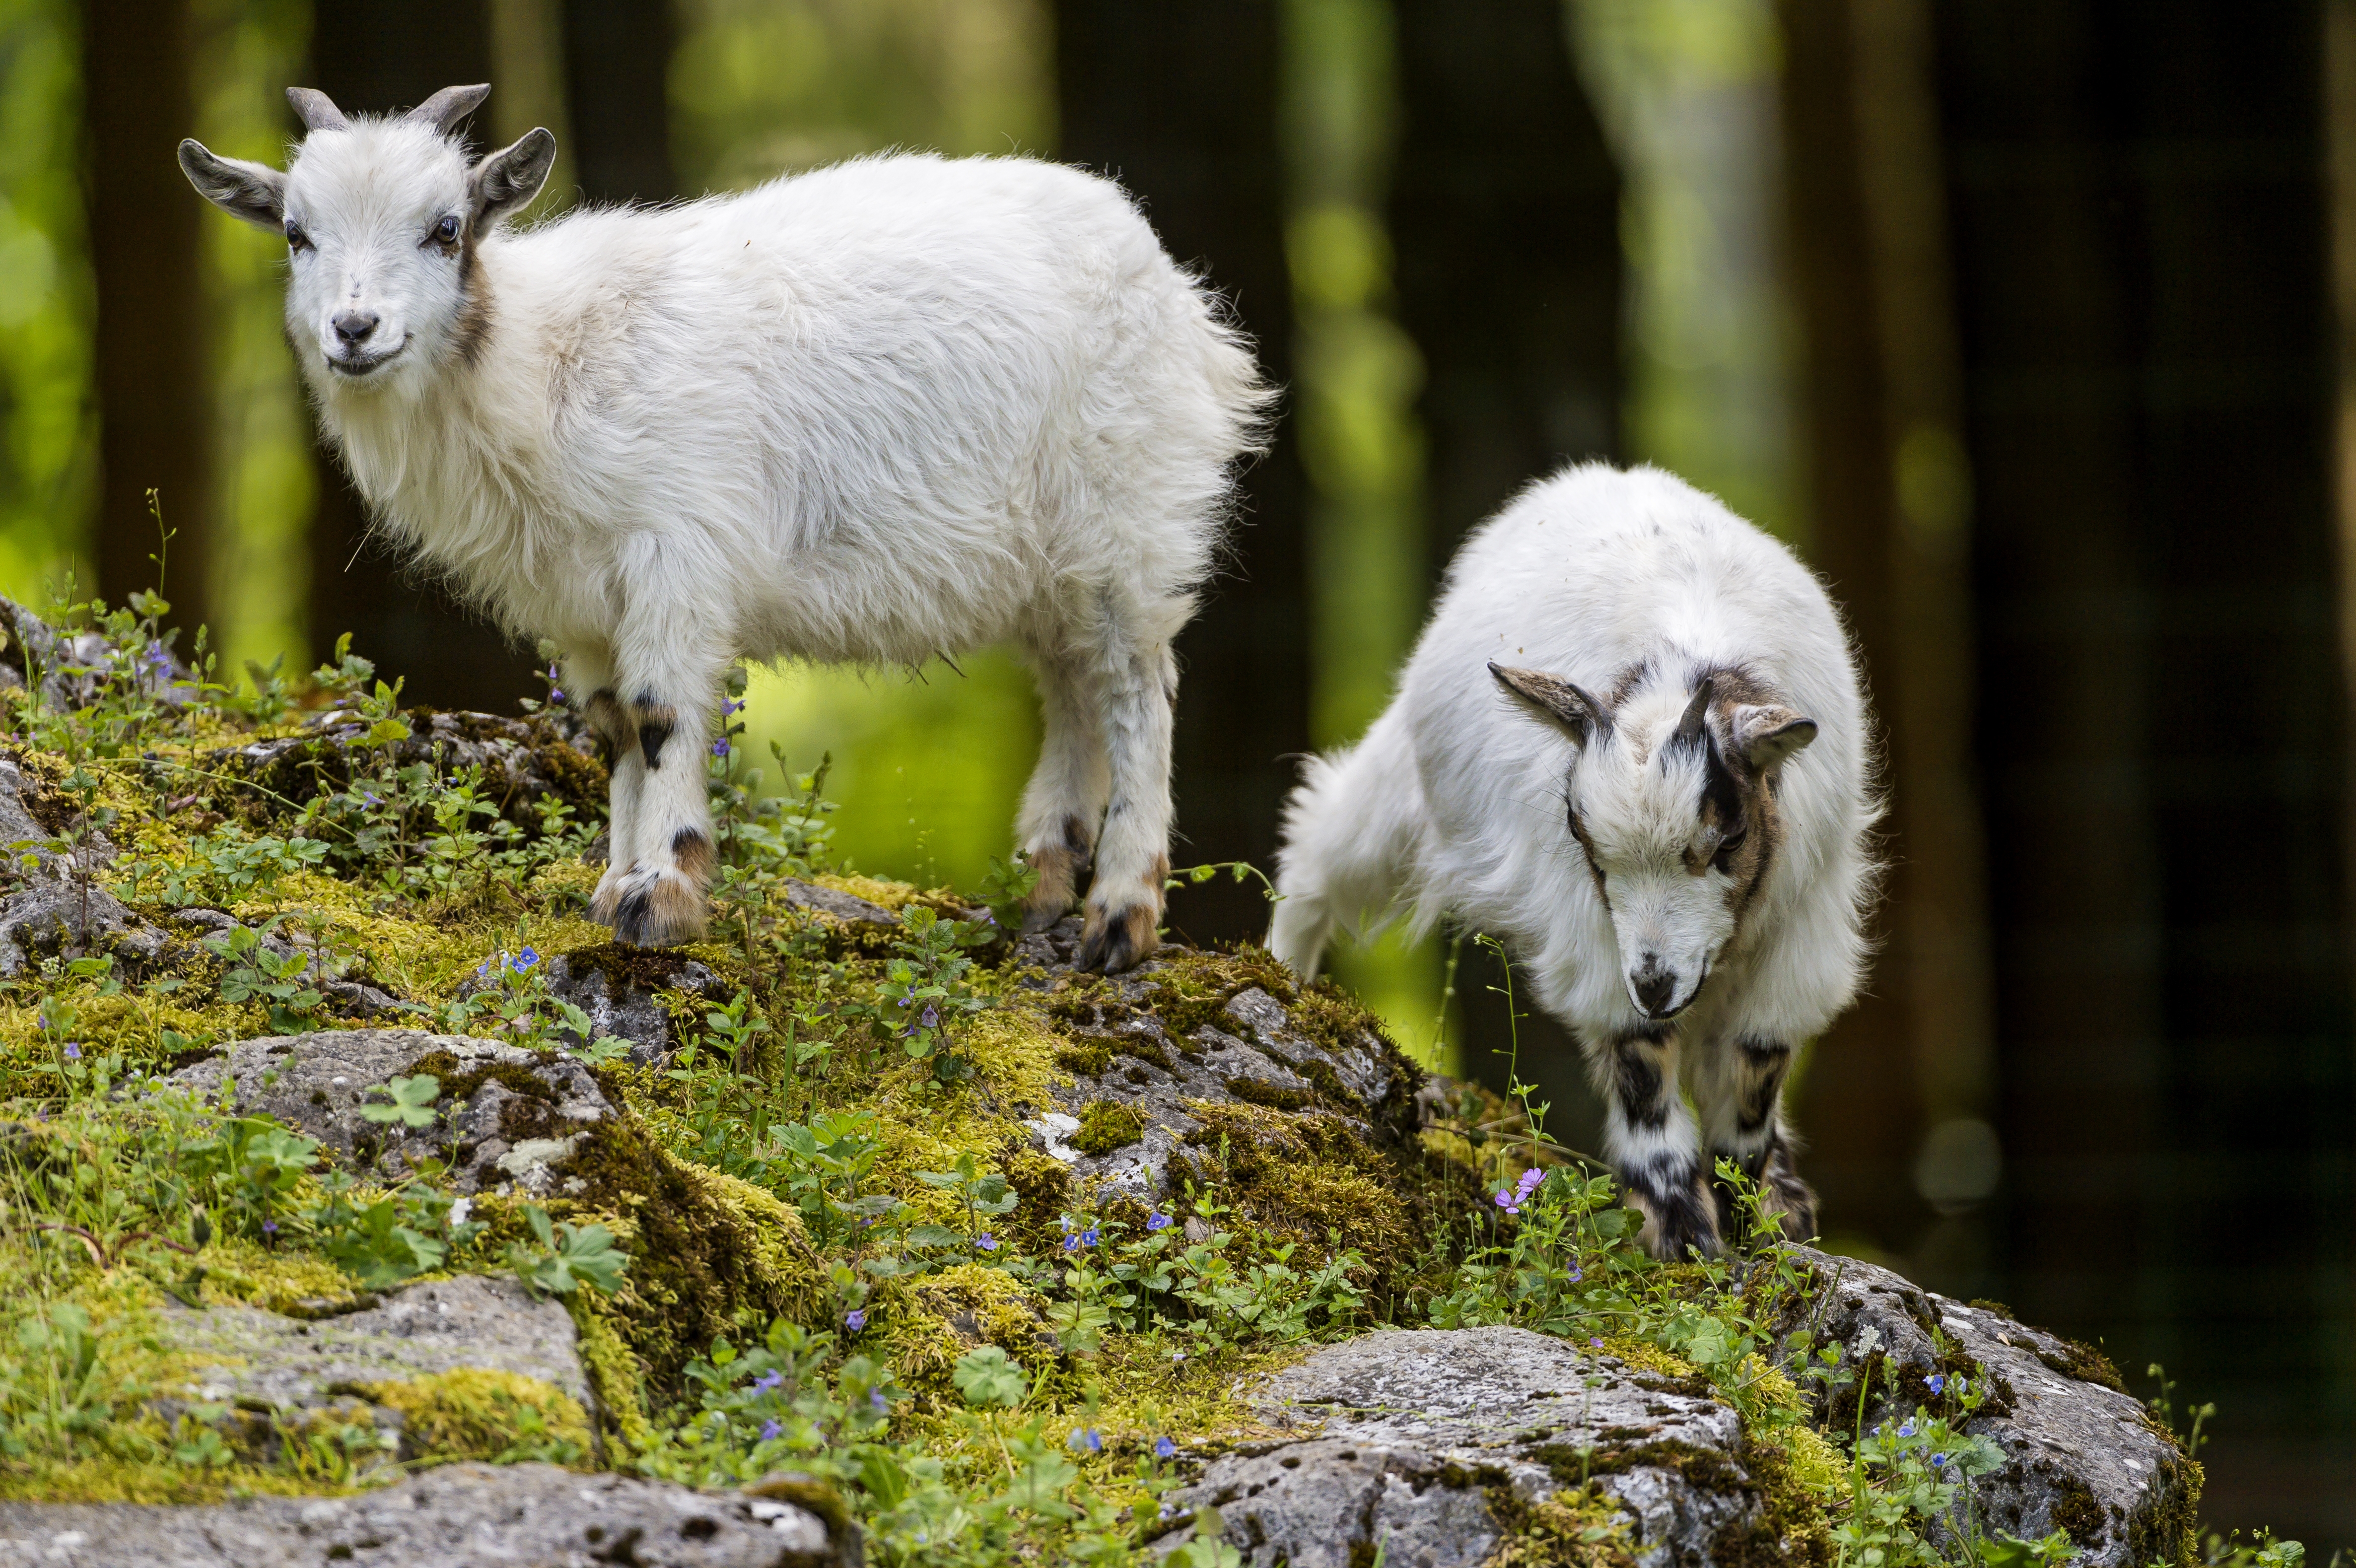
{"x": 1937, "y": 1382}
{"x": 1089, "y": 1237}
{"x": 270, "y": 1227}
{"x": 526, "y": 959}
{"x": 1595, "y": 1344}
{"x": 556, "y": 694}
{"x": 1158, "y": 1221}
{"x": 1163, "y": 1448}
{"x": 369, "y": 795}
{"x": 771, "y": 1430}
{"x": 855, "y": 1320}
{"x": 720, "y": 747}
{"x": 768, "y": 1380}
{"x": 1071, "y": 1244}
{"x": 1085, "y": 1437}
{"x": 986, "y": 1241}
{"x": 1907, "y": 1430}
{"x": 932, "y": 1019}
{"x": 875, "y": 1400}
{"x": 73, "y": 1051}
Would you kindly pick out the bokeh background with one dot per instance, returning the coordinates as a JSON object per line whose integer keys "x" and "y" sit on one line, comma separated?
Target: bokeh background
{"x": 2032, "y": 324}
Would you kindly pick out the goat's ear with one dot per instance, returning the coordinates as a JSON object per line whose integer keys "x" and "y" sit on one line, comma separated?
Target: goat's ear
{"x": 508, "y": 178}
{"x": 448, "y": 107}
{"x": 254, "y": 192}
{"x": 1556, "y": 701}
{"x": 1765, "y": 735}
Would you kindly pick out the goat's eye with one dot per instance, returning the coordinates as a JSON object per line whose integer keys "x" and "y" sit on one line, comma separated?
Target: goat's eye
{"x": 296, "y": 238}
{"x": 446, "y": 231}
{"x": 1728, "y": 847}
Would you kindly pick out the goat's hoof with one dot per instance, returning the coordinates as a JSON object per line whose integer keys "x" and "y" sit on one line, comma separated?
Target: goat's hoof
{"x": 1113, "y": 941}
{"x": 658, "y": 908}
{"x": 605, "y": 904}
{"x": 1038, "y": 916}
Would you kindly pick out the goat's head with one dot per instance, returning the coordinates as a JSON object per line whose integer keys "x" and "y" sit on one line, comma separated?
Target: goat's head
{"x": 382, "y": 215}
{"x": 1672, "y": 799}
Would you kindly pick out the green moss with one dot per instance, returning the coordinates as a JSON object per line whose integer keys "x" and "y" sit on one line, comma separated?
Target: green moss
{"x": 2076, "y": 1510}
{"x": 1580, "y": 1527}
{"x": 614, "y": 1375}
{"x": 1106, "y": 1125}
{"x": 2085, "y": 1364}
{"x": 473, "y": 1413}
{"x": 1260, "y": 1091}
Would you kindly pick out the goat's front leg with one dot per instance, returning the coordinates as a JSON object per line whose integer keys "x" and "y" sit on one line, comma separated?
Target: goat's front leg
{"x": 1742, "y": 1111}
{"x": 666, "y": 680}
{"x": 590, "y": 677}
{"x": 1653, "y": 1141}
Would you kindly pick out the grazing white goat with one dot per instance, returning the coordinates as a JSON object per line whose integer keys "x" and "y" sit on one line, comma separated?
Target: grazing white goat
{"x": 1661, "y": 805}
{"x": 892, "y": 409}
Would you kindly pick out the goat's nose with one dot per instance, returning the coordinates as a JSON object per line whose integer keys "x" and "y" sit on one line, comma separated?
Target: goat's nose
{"x": 1653, "y": 987}
{"x": 354, "y": 325}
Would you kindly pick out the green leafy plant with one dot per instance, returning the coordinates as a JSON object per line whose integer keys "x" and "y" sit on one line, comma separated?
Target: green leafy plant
{"x": 566, "y": 1257}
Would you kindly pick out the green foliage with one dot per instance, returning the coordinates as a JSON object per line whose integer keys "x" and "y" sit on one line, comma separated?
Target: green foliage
{"x": 384, "y": 1238}
{"x": 566, "y": 1257}
{"x": 409, "y": 1102}
{"x": 279, "y": 983}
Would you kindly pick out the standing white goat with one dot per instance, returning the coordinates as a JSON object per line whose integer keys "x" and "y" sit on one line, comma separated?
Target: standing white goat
{"x": 884, "y": 411}
{"x": 1662, "y": 808}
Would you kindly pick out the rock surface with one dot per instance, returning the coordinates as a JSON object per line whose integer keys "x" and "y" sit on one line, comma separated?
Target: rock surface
{"x": 505, "y": 1116}
{"x": 617, "y": 987}
{"x": 1131, "y": 1057}
{"x": 269, "y": 1361}
{"x": 2082, "y": 1456}
{"x": 1410, "y": 1438}
{"x": 460, "y": 1516}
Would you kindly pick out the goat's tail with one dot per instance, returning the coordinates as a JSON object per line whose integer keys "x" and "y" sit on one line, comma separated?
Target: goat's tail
{"x": 1352, "y": 829}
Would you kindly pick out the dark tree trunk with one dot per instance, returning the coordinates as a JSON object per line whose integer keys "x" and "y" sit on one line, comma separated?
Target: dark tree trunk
{"x": 379, "y": 55}
{"x": 1505, "y": 222}
{"x": 149, "y": 348}
{"x": 616, "y": 71}
{"x": 2139, "y": 217}
{"x": 1179, "y": 103}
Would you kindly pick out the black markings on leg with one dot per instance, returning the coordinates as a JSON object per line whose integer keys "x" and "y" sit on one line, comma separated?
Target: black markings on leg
{"x": 654, "y": 731}
{"x": 1764, "y": 1062}
{"x": 691, "y": 847}
{"x": 1636, "y": 1079}
{"x": 1793, "y": 1200}
{"x": 1671, "y": 1193}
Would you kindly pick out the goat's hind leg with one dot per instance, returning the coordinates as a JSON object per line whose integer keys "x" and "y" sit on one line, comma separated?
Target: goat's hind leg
{"x": 1140, "y": 691}
{"x": 1742, "y": 1111}
{"x": 668, "y": 668}
{"x": 610, "y": 720}
{"x": 1653, "y": 1141}
{"x": 1064, "y": 800}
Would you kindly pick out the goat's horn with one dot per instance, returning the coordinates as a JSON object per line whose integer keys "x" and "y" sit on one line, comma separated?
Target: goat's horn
{"x": 319, "y": 110}
{"x": 450, "y": 105}
{"x": 1696, "y": 711}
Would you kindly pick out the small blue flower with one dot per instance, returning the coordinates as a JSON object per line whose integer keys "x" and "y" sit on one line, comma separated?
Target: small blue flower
{"x": 1089, "y": 1237}
{"x": 986, "y": 1241}
{"x": 1595, "y": 1344}
{"x": 556, "y": 694}
{"x": 526, "y": 959}
{"x": 1937, "y": 1382}
{"x": 1085, "y": 1437}
{"x": 855, "y": 1320}
{"x": 552, "y": 672}
{"x": 270, "y": 1227}
{"x": 1960, "y": 1386}
{"x": 1907, "y": 1430}
{"x": 1576, "y": 1274}
{"x": 1938, "y": 1461}
{"x": 720, "y": 747}
{"x": 369, "y": 795}
{"x": 73, "y": 1051}
{"x": 1071, "y": 1244}
{"x": 768, "y": 1380}
{"x": 875, "y": 1400}
{"x": 1163, "y": 1448}
{"x": 1065, "y": 1220}
{"x": 771, "y": 1430}
{"x": 1158, "y": 1221}
{"x": 931, "y": 1019}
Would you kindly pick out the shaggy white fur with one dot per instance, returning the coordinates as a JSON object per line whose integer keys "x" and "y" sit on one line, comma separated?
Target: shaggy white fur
{"x": 892, "y": 409}
{"x": 1661, "y": 804}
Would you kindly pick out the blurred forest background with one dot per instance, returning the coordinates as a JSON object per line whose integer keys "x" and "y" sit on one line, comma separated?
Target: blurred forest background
{"x": 2028, "y": 322}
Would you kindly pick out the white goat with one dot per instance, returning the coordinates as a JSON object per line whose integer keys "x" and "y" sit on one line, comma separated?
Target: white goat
{"x": 884, "y": 411}
{"x": 1639, "y": 813}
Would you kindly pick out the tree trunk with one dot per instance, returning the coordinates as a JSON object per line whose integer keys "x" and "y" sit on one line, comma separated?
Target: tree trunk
{"x": 1505, "y": 222}
{"x": 149, "y": 347}
{"x": 2140, "y": 222}
{"x": 617, "y": 72}
{"x": 1179, "y": 103}
{"x": 379, "y": 55}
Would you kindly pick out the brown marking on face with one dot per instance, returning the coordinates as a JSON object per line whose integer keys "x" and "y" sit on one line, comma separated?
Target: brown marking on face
{"x": 473, "y": 327}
